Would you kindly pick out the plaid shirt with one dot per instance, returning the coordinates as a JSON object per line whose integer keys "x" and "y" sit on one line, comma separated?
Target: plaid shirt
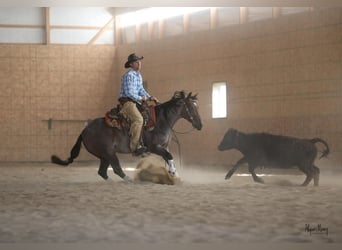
{"x": 132, "y": 86}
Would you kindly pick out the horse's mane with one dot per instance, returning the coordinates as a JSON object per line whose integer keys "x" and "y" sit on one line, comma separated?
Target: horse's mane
{"x": 168, "y": 105}
{"x": 178, "y": 95}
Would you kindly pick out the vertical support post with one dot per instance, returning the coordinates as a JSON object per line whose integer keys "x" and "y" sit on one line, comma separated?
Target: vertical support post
{"x": 161, "y": 29}
{"x": 243, "y": 15}
{"x": 117, "y": 32}
{"x": 276, "y": 12}
{"x": 50, "y": 123}
{"x": 213, "y": 18}
{"x": 47, "y": 25}
{"x": 137, "y": 33}
{"x": 150, "y": 30}
{"x": 186, "y": 23}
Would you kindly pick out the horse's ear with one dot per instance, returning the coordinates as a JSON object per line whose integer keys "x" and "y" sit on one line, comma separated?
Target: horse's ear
{"x": 189, "y": 95}
{"x": 195, "y": 96}
{"x": 176, "y": 94}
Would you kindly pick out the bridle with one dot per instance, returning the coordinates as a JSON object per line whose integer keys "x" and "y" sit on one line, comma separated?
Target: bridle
{"x": 174, "y": 133}
{"x": 191, "y": 117}
{"x": 188, "y": 113}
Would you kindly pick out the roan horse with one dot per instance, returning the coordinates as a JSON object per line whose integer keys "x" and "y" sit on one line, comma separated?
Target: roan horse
{"x": 104, "y": 141}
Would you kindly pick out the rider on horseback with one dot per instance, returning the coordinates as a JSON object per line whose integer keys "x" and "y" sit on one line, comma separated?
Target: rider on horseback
{"x": 133, "y": 92}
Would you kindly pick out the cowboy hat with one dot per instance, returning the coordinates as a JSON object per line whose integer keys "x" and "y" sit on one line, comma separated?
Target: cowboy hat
{"x": 132, "y": 58}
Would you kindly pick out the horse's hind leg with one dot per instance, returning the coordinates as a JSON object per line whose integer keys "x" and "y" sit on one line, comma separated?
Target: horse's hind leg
{"x": 114, "y": 162}
{"x": 103, "y": 169}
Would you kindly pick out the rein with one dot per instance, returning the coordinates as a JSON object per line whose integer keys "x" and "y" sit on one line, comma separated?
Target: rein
{"x": 174, "y": 133}
{"x": 183, "y": 133}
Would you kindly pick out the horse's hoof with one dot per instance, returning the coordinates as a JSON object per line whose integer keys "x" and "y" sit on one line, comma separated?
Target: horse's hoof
{"x": 104, "y": 176}
{"x": 127, "y": 179}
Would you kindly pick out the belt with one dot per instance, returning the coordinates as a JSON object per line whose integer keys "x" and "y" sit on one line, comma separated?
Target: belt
{"x": 123, "y": 100}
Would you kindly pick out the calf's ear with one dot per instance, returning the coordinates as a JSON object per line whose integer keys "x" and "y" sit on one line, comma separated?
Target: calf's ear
{"x": 232, "y": 131}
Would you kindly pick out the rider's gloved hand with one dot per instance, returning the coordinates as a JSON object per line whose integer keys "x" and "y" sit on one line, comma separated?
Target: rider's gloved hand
{"x": 152, "y": 98}
{"x": 144, "y": 98}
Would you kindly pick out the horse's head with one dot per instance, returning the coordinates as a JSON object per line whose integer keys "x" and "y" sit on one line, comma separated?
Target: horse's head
{"x": 189, "y": 108}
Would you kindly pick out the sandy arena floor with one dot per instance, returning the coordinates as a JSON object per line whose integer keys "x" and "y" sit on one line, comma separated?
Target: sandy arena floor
{"x": 46, "y": 203}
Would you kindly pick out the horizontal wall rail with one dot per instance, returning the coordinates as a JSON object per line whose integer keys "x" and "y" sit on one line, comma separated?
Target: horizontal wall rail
{"x": 50, "y": 121}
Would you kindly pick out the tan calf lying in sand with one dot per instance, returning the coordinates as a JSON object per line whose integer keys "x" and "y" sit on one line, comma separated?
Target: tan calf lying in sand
{"x": 149, "y": 169}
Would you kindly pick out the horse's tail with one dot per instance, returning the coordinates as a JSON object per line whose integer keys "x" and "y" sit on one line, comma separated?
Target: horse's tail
{"x": 326, "y": 151}
{"x": 73, "y": 154}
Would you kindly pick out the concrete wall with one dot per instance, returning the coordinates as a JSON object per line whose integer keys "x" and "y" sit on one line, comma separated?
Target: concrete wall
{"x": 284, "y": 76}
{"x": 39, "y": 82}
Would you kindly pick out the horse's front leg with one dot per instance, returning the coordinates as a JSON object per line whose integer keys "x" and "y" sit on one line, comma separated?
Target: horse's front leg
{"x": 167, "y": 156}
